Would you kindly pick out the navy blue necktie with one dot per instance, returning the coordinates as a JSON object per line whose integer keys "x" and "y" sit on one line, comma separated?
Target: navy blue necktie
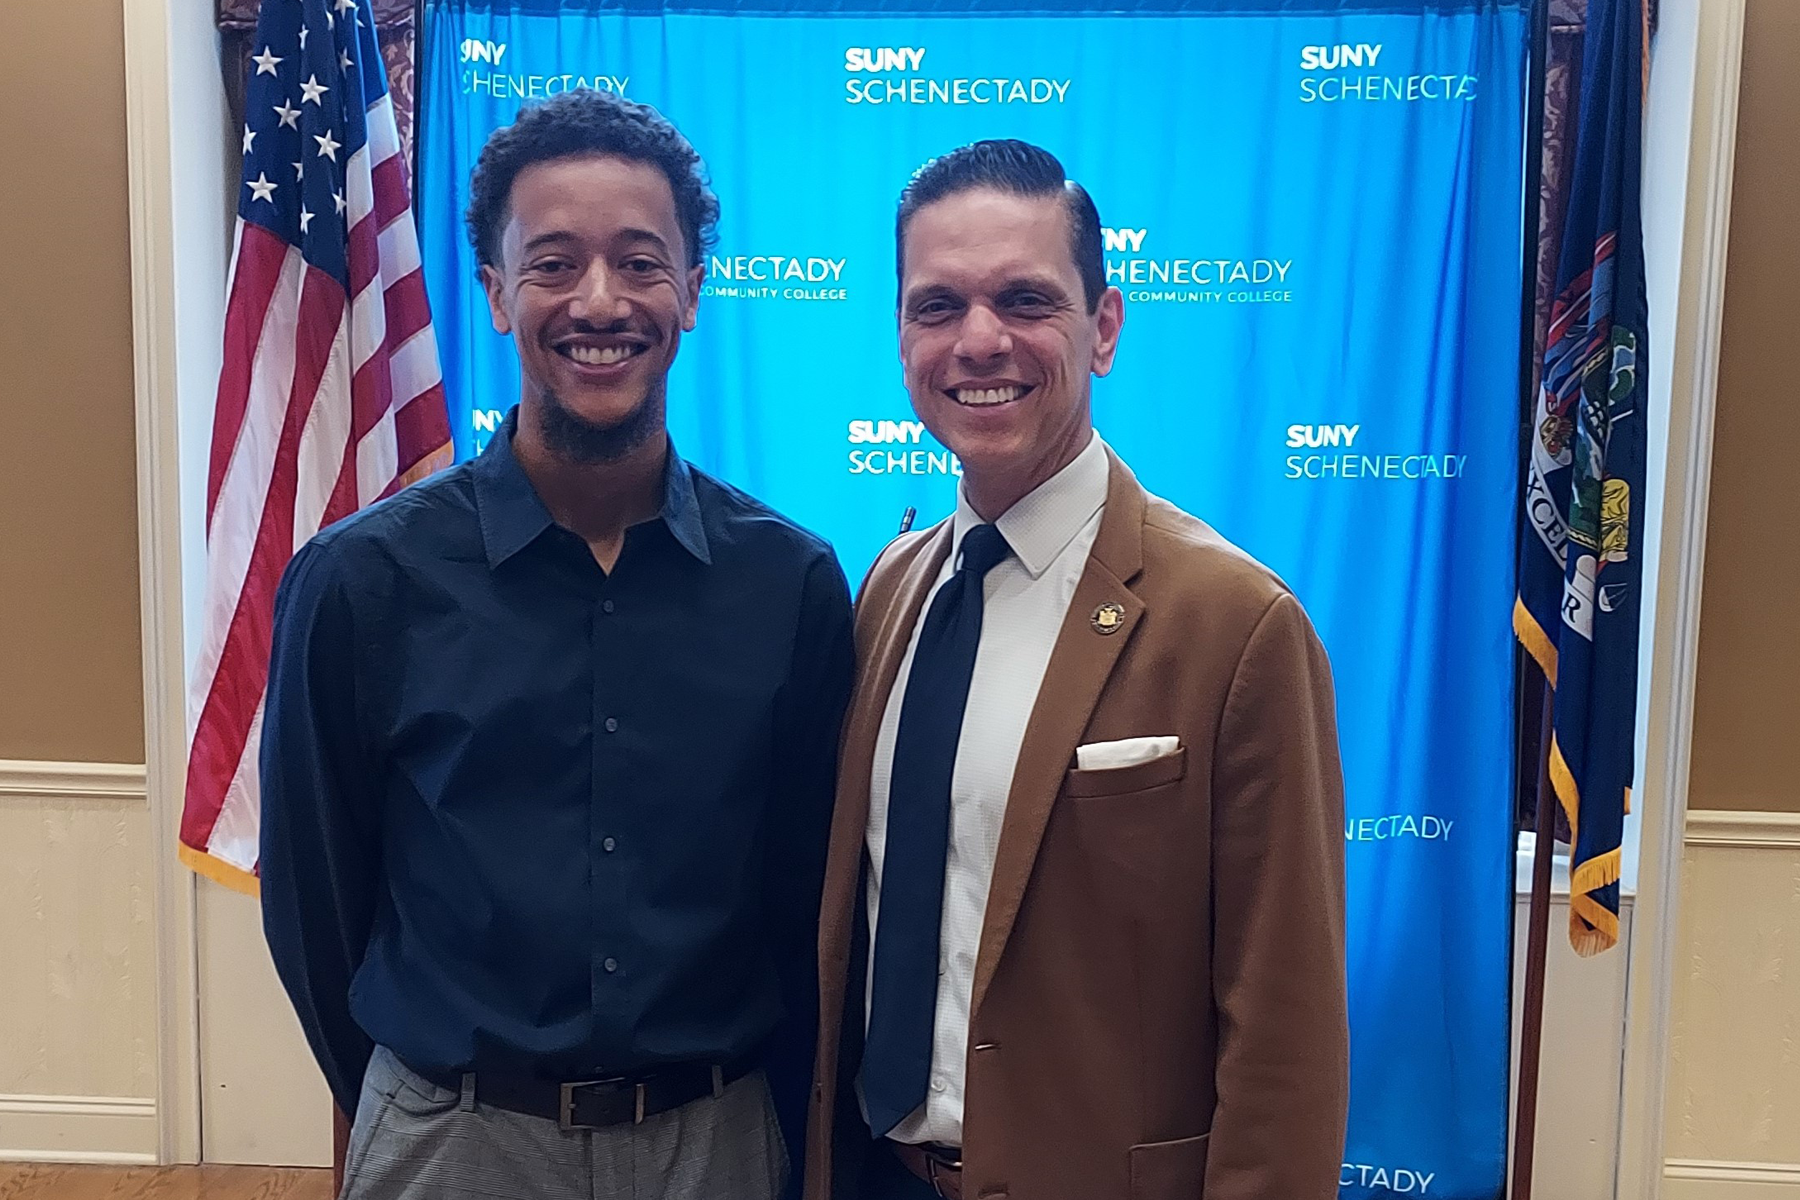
{"x": 896, "y": 1066}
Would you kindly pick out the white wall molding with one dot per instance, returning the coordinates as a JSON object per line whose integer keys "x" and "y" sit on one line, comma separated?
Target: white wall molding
{"x": 118, "y": 782}
{"x": 1733, "y": 1172}
{"x": 1707, "y": 1179}
{"x": 89, "y": 1129}
{"x": 1689, "y": 154}
{"x": 1746, "y": 830}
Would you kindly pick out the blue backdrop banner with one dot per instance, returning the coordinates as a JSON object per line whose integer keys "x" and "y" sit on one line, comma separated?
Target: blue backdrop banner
{"x": 1313, "y": 209}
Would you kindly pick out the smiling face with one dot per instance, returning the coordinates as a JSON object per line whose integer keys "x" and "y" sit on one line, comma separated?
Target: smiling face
{"x": 996, "y": 339}
{"x": 594, "y": 289}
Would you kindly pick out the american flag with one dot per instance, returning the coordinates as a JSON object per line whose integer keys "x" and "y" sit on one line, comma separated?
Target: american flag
{"x": 330, "y": 395}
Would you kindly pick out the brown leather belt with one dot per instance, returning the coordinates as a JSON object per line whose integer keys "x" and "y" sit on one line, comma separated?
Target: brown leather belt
{"x": 936, "y": 1165}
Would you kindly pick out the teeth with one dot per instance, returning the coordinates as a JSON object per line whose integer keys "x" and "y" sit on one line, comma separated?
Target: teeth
{"x": 597, "y": 356}
{"x": 977, "y": 397}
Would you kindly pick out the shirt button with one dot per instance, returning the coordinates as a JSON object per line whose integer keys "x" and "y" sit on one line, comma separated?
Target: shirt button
{"x": 938, "y": 1085}
{"x": 609, "y": 845}
{"x": 606, "y": 606}
{"x": 612, "y": 724}
{"x": 611, "y": 965}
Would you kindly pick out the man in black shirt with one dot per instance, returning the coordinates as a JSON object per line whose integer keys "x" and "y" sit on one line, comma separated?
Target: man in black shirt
{"x": 549, "y": 742}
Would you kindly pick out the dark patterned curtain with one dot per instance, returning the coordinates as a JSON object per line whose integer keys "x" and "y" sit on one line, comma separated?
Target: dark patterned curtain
{"x": 394, "y": 29}
{"x": 1562, "y": 89}
{"x": 1562, "y": 92}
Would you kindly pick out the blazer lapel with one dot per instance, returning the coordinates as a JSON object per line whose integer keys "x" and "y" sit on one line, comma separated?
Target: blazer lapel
{"x": 1079, "y": 667}
{"x": 887, "y": 643}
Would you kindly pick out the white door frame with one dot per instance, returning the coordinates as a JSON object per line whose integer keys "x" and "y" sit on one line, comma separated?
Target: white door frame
{"x": 181, "y": 185}
{"x": 1690, "y": 146}
{"x": 181, "y": 176}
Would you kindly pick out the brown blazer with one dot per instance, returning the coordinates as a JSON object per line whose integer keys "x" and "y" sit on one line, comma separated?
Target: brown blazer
{"x": 1159, "y": 1008}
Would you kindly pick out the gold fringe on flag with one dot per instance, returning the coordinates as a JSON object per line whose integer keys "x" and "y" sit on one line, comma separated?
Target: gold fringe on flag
{"x": 1536, "y": 642}
{"x": 1592, "y": 926}
{"x": 219, "y": 871}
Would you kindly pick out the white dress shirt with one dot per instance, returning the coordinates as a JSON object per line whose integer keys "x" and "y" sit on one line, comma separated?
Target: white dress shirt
{"x": 1025, "y": 598}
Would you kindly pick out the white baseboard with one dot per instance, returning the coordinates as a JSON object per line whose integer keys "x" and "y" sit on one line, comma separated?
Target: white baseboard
{"x": 91, "y": 1129}
{"x": 1701, "y": 1179}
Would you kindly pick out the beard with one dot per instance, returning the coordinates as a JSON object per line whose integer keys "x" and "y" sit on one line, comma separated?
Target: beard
{"x": 573, "y": 438}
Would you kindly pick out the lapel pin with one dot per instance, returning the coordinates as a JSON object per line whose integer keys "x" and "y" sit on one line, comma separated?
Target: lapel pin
{"x": 1108, "y": 618}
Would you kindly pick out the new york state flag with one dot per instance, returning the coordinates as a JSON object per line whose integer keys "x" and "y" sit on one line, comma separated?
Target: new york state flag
{"x": 1581, "y": 559}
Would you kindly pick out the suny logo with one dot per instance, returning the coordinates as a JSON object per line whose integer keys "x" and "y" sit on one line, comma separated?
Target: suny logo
{"x": 884, "y": 58}
{"x": 475, "y": 50}
{"x": 1330, "y": 58}
{"x": 1123, "y": 241}
{"x": 1316, "y": 436}
{"x": 1347, "y": 71}
{"x": 915, "y": 460}
{"x": 883, "y": 433}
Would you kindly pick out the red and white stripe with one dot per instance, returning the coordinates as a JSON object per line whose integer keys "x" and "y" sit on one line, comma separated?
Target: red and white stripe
{"x": 326, "y": 403}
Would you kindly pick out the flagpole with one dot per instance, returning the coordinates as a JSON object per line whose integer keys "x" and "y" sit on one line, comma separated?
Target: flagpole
{"x": 1537, "y": 944}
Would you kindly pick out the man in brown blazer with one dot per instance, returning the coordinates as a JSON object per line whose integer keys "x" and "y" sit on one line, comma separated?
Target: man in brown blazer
{"x": 1083, "y": 928}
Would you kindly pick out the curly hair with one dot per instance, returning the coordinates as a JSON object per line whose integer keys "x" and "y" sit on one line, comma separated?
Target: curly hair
{"x": 576, "y": 124}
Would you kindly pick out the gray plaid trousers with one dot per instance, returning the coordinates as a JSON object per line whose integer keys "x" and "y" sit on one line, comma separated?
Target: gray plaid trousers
{"x": 414, "y": 1140}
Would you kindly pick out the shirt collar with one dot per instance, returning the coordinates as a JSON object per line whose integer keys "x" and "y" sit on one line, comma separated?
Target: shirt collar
{"x": 512, "y": 515}
{"x": 1042, "y": 524}
{"x": 681, "y": 507}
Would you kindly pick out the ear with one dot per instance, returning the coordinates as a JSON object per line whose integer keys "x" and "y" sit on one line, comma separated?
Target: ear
{"x": 1109, "y": 322}
{"x": 690, "y": 312}
{"x": 494, "y": 285}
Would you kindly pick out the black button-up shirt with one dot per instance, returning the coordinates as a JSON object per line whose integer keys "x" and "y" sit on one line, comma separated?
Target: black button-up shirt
{"x": 521, "y": 814}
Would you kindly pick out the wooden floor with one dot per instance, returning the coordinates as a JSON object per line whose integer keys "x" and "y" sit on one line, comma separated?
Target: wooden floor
{"x": 25, "y": 1181}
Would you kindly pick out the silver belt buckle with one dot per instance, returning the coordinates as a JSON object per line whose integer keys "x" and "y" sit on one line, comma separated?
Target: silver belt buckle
{"x": 566, "y": 1101}
{"x": 936, "y": 1162}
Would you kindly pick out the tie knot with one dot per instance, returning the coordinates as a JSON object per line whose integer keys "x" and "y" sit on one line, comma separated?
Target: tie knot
{"x": 982, "y": 549}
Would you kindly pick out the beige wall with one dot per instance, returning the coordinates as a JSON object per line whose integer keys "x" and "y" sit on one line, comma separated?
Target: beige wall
{"x": 1732, "y": 1123}
{"x": 69, "y": 666}
{"x": 1747, "y": 714}
{"x": 77, "y": 945}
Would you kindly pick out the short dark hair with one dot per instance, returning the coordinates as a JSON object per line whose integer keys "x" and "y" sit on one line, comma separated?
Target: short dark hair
{"x": 578, "y": 124}
{"x": 1019, "y": 169}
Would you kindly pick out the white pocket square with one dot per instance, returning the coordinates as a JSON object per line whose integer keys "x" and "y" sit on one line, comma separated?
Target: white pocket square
{"x": 1126, "y": 752}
